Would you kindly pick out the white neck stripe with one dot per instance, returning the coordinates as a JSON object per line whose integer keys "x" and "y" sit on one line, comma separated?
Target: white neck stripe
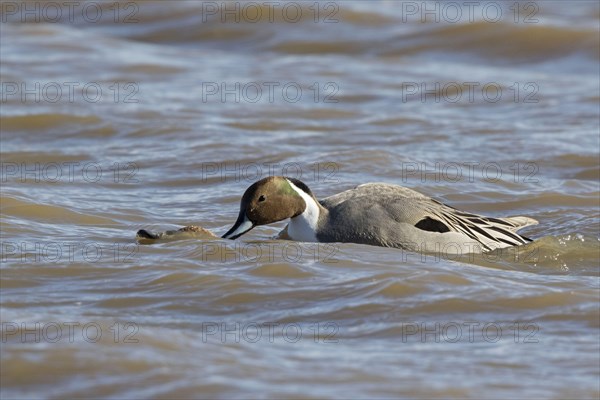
{"x": 303, "y": 228}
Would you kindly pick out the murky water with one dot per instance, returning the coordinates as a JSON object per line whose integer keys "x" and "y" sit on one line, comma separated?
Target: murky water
{"x": 121, "y": 116}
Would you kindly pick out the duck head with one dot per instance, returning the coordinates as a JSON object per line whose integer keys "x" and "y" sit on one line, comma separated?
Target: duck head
{"x": 269, "y": 200}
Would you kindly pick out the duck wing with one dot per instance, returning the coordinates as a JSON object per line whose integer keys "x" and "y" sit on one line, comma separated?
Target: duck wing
{"x": 490, "y": 232}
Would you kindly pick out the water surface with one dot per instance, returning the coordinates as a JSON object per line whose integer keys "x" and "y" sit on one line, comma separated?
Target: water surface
{"x": 164, "y": 117}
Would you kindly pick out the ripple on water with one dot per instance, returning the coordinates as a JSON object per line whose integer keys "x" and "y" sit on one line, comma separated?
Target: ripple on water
{"x": 26, "y": 210}
{"x": 37, "y": 122}
{"x": 280, "y": 270}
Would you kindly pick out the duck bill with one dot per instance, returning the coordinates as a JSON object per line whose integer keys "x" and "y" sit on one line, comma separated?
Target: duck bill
{"x": 241, "y": 226}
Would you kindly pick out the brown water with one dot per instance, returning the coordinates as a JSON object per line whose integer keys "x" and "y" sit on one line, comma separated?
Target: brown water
{"x": 108, "y": 127}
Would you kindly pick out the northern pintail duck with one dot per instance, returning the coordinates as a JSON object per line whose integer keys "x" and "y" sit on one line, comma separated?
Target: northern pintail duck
{"x": 376, "y": 214}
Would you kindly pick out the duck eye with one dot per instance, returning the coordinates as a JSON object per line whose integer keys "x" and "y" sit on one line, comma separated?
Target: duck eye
{"x": 261, "y": 198}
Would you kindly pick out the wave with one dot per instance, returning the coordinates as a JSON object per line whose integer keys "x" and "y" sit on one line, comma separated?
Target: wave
{"x": 348, "y": 29}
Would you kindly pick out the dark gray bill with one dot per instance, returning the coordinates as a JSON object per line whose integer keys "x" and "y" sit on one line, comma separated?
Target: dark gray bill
{"x": 241, "y": 226}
